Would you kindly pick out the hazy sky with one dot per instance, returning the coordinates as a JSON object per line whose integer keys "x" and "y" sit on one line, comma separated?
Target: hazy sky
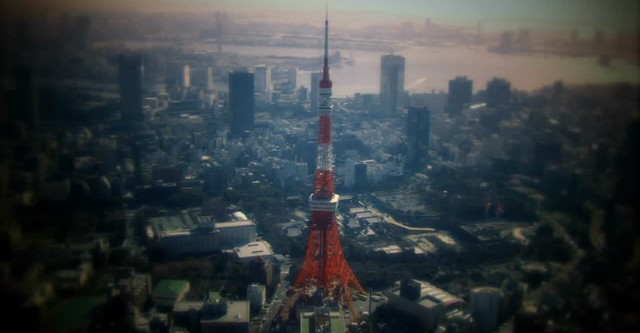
{"x": 612, "y": 14}
{"x": 607, "y": 12}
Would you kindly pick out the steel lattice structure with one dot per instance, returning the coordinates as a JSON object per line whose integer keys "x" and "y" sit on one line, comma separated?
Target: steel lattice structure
{"x": 325, "y": 268}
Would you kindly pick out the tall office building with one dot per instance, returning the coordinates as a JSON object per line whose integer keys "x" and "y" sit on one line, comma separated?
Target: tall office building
{"x": 498, "y": 92}
{"x": 256, "y": 294}
{"x": 262, "y": 82}
{"x": 130, "y": 82}
{"x": 202, "y": 78}
{"x": 484, "y": 306}
{"x": 303, "y": 94}
{"x": 391, "y": 83}
{"x": 242, "y": 102}
{"x": 209, "y": 83}
{"x": 292, "y": 78}
{"x": 360, "y": 175}
{"x": 185, "y": 76}
{"x": 315, "y": 92}
{"x": 460, "y": 92}
{"x": 418, "y": 132}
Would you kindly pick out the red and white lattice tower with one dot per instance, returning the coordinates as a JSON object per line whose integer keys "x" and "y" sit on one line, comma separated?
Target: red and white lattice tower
{"x": 325, "y": 268}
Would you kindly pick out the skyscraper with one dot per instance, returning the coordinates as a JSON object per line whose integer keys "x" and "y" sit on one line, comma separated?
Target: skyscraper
{"x": 418, "y": 131}
{"x": 460, "y": 92}
{"x": 202, "y": 78}
{"x": 292, "y": 78}
{"x": 241, "y": 102}
{"x": 498, "y": 92}
{"x": 484, "y": 306}
{"x": 315, "y": 95}
{"x": 209, "y": 83}
{"x": 303, "y": 94}
{"x": 185, "y": 76}
{"x": 360, "y": 175}
{"x": 391, "y": 83}
{"x": 130, "y": 82}
{"x": 262, "y": 83}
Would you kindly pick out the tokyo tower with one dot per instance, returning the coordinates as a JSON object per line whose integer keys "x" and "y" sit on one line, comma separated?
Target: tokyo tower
{"x": 325, "y": 270}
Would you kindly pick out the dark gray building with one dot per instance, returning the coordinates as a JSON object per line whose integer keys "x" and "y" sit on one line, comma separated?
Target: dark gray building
{"x": 130, "y": 83}
{"x": 242, "y": 102}
{"x": 460, "y": 92}
{"x": 360, "y": 176}
{"x": 418, "y": 132}
{"x": 498, "y": 92}
{"x": 391, "y": 83}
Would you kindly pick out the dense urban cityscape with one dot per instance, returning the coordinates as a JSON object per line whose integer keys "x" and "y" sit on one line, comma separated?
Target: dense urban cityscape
{"x": 212, "y": 172}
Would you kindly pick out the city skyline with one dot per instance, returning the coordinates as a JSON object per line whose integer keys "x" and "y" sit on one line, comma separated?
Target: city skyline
{"x": 435, "y": 46}
{"x": 616, "y": 15}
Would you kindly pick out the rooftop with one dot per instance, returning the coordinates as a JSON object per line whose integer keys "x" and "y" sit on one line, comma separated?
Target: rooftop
{"x": 390, "y": 249}
{"x": 237, "y": 311}
{"x": 168, "y": 225}
{"x": 365, "y": 215}
{"x": 234, "y": 224}
{"x": 431, "y": 295}
{"x": 190, "y": 221}
{"x": 322, "y": 321}
{"x": 357, "y": 210}
{"x": 254, "y": 249}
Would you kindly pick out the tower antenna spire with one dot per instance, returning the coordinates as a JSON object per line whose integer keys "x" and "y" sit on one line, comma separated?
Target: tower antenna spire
{"x": 325, "y": 68}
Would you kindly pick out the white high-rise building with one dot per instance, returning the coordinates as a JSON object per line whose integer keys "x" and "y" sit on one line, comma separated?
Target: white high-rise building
{"x": 349, "y": 173}
{"x": 262, "y": 82}
{"x": 209, "y": 79}
{"x": 185, "y": 76}
{"x": 292, "y": 78}
{"x": 315, "y": 90}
